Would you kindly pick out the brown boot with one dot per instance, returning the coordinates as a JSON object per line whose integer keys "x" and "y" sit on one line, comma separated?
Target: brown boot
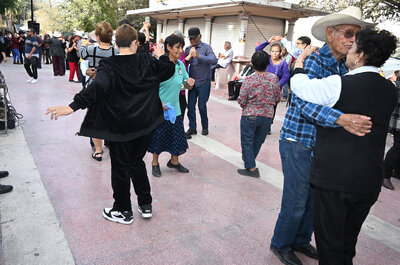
{"x": 387, "y": 183}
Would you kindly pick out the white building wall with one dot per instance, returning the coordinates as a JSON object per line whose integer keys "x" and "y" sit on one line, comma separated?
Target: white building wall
{"x": 223, "y": 29}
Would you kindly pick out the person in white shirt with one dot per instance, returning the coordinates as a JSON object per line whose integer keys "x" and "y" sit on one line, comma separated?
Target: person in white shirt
{"x": 224, "y": 59}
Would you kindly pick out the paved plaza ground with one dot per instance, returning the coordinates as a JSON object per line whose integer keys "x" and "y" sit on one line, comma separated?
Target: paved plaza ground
{"x": 210, "y": 216}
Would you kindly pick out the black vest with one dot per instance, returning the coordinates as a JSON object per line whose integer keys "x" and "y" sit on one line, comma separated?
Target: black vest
{"x": 348, "y": 163}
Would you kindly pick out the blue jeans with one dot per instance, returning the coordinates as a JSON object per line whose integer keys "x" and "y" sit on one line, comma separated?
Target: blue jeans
{"x": 253, "y": 131}
{"x": 285, "y": 90}
{"x": 16, "y": 55}
{"x": 203, "y": 93}
{"x": 295, "y": 221}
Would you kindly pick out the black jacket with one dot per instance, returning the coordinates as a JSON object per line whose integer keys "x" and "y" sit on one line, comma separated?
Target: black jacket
{"x": 124, "y": 100}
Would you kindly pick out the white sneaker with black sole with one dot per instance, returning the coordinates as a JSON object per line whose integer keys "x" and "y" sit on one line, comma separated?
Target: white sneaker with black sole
{"x": 145, "y": 210}
{"x": 125, "y": 217}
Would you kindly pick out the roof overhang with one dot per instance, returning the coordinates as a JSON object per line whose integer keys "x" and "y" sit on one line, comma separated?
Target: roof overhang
{"x": 276, "y": 9}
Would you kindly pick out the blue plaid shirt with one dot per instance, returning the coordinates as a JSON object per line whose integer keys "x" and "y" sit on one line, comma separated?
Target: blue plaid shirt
{"x": 301, "y": 115}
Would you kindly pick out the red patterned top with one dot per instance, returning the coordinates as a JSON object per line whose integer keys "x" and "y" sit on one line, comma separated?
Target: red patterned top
{"x": 259, "y": 94}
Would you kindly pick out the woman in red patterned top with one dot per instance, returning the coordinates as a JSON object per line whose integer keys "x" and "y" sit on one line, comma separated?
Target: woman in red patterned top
{"x": 258, "y": 96}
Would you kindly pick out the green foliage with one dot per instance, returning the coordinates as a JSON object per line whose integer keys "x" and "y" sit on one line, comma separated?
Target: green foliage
{"x": 85, "y": 14}
{"x": 7, "y": 4}
{"x": 373, "y": 9}
{"x": 70, "y": 15}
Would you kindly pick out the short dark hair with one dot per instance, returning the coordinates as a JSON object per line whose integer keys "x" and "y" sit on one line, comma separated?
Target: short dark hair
{"x": 141, "y": 38}
{"x": 125, "y": 35}
{"x": 32, "y": 30}
{"x": 305, "y": 40}
{"x": 173, "y": 39}
{"x": 377, "y": 45}
{"x": 260, "y": 60}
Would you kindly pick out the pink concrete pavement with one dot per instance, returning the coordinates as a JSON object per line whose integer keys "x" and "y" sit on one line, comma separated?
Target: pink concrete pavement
{"x": 209, "y": 216}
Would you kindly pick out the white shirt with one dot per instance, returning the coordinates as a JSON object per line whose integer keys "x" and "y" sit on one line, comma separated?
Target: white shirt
{"x": 325, "y": 91}
{"x": 291, "y": 48}
{"x": 228, "y": 58}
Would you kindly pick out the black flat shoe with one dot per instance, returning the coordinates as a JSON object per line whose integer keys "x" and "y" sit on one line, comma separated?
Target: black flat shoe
{"x": 191, "y": 132}
{"x": 5, "y": 188}
{"x": 204, "y": 131}
{"x": 248, "y": 173}
{"x": 178, "y": 167}
{"x": 307, "y": 250}
{"x": 286, "y": 257}
{"x": 155, "y": 171}
{"x": 98, "y": 156}
{"x": 232, "y": 98}
{"x": 3, "y": 174}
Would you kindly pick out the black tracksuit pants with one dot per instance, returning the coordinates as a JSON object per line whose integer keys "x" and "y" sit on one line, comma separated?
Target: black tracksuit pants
{"x": 127, "y": 165}
{"x": 338, "y": 217}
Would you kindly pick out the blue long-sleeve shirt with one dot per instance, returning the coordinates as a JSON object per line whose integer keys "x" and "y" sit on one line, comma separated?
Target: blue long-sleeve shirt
{"x": 200, "y": 68}
{"x": 301, "y": 115}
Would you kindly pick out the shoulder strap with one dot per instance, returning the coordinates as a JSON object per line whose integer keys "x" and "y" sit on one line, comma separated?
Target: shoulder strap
{"x": 94, "y": 57}
{"x": 112, "y": 50}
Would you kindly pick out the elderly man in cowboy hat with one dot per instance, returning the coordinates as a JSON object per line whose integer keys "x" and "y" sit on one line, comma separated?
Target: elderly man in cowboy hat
{"x": 57, "y": 51}
{"x": 294, "y": 226}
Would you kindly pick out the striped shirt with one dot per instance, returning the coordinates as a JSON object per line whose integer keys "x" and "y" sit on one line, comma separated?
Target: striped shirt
{"x": 30, "y": 43}
{"x": 301, "y": 115}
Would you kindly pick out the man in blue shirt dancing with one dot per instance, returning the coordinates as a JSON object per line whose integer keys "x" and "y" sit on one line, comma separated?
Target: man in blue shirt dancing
{"x": 200, "y": 57}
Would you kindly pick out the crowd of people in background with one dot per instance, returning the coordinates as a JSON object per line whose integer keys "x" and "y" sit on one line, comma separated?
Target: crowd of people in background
{"x": 148, "y": 79}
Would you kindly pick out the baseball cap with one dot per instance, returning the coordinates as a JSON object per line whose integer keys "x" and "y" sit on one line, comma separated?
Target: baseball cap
{"x": 193, "y": 32}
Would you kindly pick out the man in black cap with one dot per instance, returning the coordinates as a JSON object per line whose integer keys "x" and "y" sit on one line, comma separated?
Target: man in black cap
{"x": 201, "y": 57}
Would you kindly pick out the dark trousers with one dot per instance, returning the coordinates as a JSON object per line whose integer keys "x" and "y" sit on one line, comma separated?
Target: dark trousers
{"x": 182, "y": 104}
{"x": 127, "y": 165}
{"x": 338, "y": 217}
{"x": 234, "y": 88}
{"x": 203, "y": 94}
{"x": 216, "y": 66}
{"x": 58, "y": 68}
{"x": 392, "y": 159}
{"x": 47, "y": 59}
{"x": 22, "y": 52}
{"x": 31, "y": 66}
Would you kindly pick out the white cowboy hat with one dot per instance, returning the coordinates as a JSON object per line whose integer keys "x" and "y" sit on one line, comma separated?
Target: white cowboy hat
{"x": 92, "y": 36}
{"x": 56, "y": 34}
{"x": 79, "y": 34}
{"x": 348, "y": 16}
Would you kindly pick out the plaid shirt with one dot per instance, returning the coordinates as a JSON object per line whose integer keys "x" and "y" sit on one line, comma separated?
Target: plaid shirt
{"x": 301, "y": 115}
{"x": 394, "y": 125}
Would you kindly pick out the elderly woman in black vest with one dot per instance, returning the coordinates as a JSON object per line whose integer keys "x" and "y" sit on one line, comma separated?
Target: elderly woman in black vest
{"x": 125, "y": 108}
{"x": 347, "y": 170}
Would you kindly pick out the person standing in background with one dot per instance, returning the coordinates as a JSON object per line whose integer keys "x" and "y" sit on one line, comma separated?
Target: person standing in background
{"x": 31, "y": 56}
{"x": 15, "y": 49}
{"x": 22, "y": 40}
{"x": 57, "y": 47}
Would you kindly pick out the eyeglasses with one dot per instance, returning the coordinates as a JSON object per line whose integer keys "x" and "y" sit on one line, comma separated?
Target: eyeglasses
{"x": 348, "y": 34}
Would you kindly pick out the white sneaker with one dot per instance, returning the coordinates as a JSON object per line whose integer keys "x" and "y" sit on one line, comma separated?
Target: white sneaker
{"x": 30, "y": 79}
{"x": 34, "y": 81}
{"x": 125, "y": 217}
